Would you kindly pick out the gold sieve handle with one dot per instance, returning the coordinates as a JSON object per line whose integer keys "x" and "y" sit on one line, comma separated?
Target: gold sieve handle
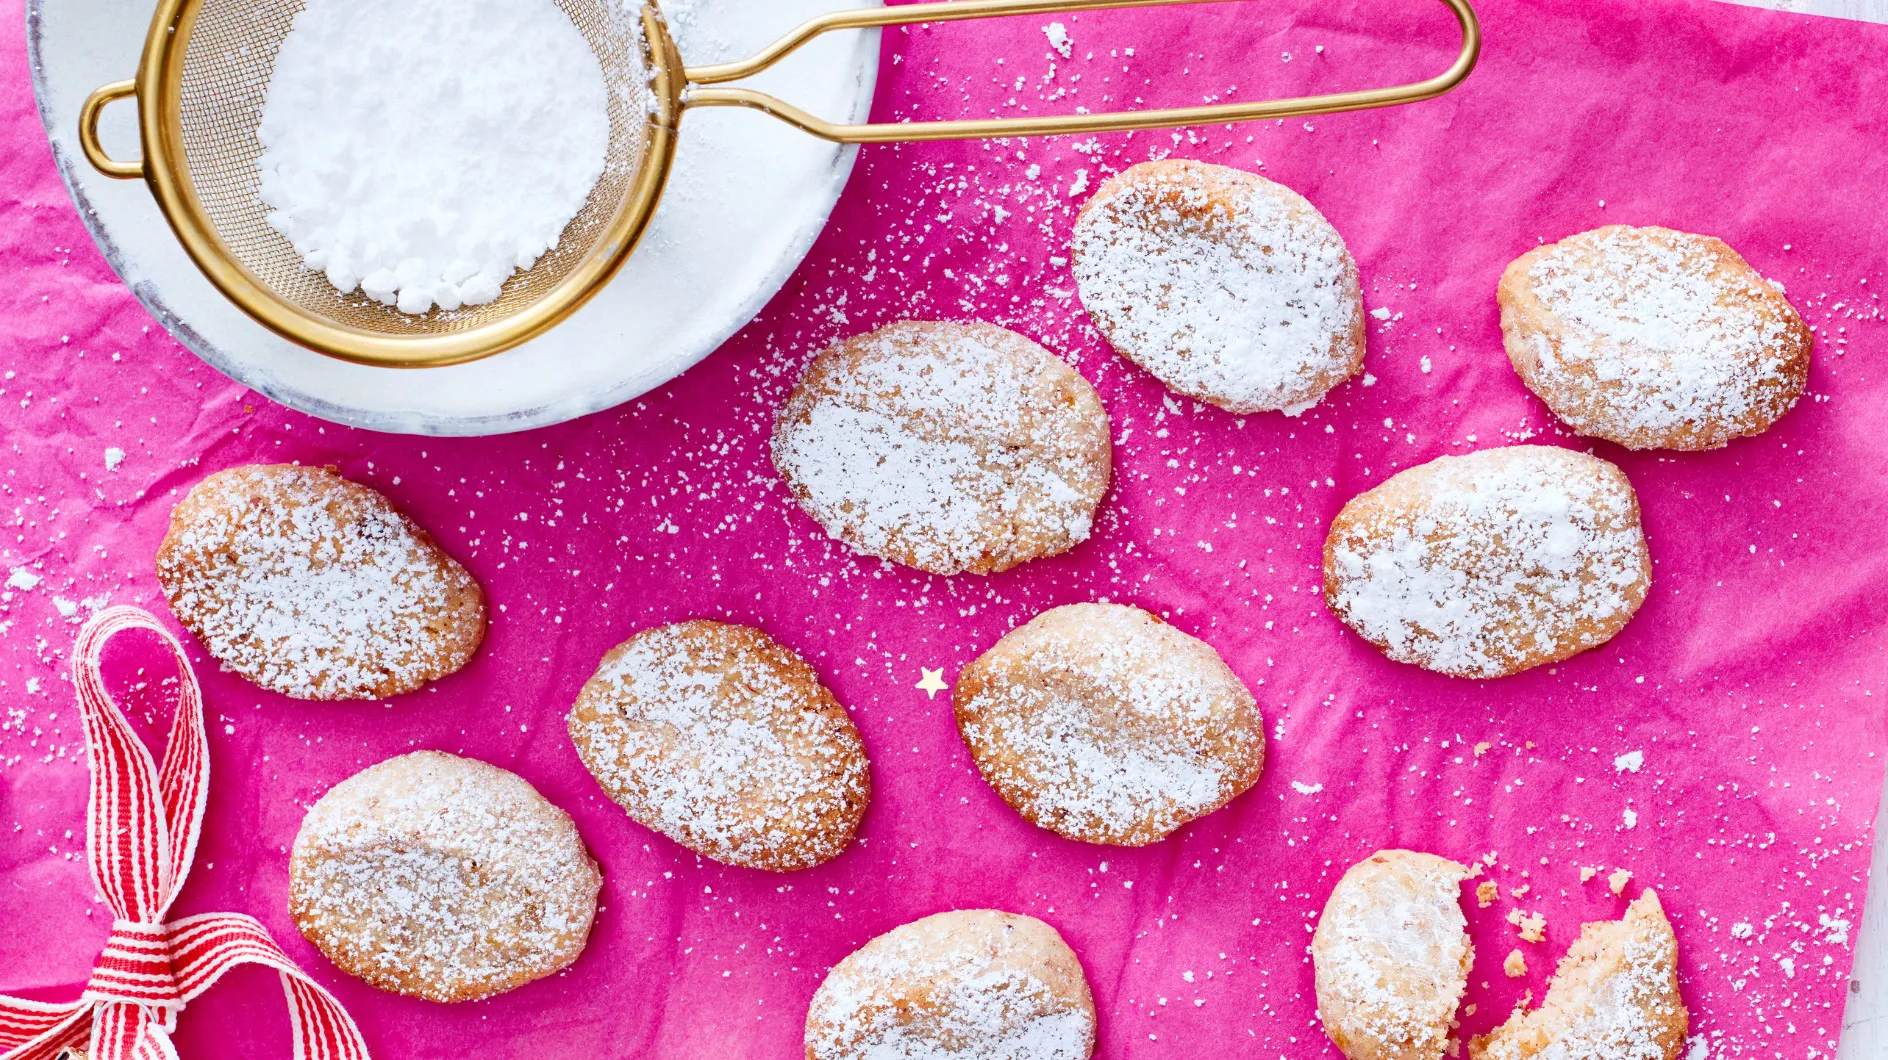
{"x": 1114, "y": 121}
{"x": 88, "y": 131}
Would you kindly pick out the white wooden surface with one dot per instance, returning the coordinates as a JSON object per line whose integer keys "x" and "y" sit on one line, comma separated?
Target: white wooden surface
{"x": 1865, "y": 1020}
{"x": 1865, "y": 10}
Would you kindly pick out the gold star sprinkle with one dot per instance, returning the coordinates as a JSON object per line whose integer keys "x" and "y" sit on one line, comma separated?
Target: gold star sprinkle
{"x": 932, "y": 682}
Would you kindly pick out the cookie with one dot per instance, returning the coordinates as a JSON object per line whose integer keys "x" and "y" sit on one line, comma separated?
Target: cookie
{"x": 442, "y": 877}
{"x": 945, "y": 447}
{"x": 1227, "y": 287}
{"x": 1101, "y": 723}
{"x": 726, "y": 742}
{"x": 314, "y": 586}
{"x": 1653, "y": 339}
{"x": 1614, "y": 996}
{"x": 1391, "y": 956}
{"x": 974, "y": 984}
{"x": 1487, "y": 564}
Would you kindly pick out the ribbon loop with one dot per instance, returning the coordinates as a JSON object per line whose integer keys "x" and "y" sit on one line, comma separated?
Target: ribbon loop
{"x": 142, "y": 823}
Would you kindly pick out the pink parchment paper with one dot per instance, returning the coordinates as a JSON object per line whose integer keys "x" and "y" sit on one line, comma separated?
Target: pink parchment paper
{"x": 1751, "y": 682}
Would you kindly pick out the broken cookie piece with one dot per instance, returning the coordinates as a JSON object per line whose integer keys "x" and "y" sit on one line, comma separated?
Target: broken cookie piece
{"x": 1614, "y": 995}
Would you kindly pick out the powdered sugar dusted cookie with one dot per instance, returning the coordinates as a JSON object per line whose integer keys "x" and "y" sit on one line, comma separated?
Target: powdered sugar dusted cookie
{"x": 314, "y": 586}
{"x": 1391, "y": 956}
{"x": 726, "y": 742}
{"x": 1104, "y": 724}
{"x": 1227, "y": 287}
{"x": 945, "y": 447}
{"x": 1652, "y": 338}
{"x": 974, "y": 984}
{"x": 442, "y": 877}
{"x": 1488, "y": 564}
{"x": 1613, "y": 997}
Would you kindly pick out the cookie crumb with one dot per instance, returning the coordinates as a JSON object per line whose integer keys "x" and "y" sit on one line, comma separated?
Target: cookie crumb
{"x": 1587, "y": 872}
{"x": 1533, "y": 926}
{"x": 1617, "y": 881}
{"x": 1516, "y": 965}
{"x": 1485, "y": 892}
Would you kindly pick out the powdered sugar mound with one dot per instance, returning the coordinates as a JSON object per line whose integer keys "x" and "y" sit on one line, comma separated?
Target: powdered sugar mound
{"x": 424, "y": 151}
{"x": 970, "y": 985}
{"x": 719, "y": 738}
{"x": 316, "y": 587}
{"x": 1483, "y": 564}
{"x": 1227, "y": 287}
{"x": 1101, "y": 723}
{"x": 946, "y": 447}
{"x": 442, "y": 876}
{"x": 1661, "y": 331}
{"x": 1392, "y": 954}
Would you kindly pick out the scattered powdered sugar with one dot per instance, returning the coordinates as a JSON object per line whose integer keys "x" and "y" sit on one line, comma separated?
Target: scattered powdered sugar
{"x": 1656, "y": 333}
{"x": 1392, "y": 952}
{"x": 442, "y": 876}
{"x": 715, "y": 736}
{"x": 314, "y": 586}
{"x": 1236, "y": 293}
{"x": 1614, "y": 997}
{"x": 949, "y": 987}
{"x": 1104, "y": 724}
{"x": 945, "y": 447}
{"x": 423, "y": 151}
{"x": 1498, "y": 557}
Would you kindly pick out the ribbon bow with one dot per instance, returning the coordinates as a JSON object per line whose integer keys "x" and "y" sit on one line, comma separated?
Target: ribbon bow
{"x": 141, "y": 828}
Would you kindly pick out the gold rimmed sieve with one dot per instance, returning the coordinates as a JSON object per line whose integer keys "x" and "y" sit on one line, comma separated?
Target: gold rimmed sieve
{"x": 205, "y": 72}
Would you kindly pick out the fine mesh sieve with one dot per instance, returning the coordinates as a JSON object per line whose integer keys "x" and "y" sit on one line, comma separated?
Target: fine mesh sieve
{"x": 227, "y": 59}
{"x": 205, "y": 72}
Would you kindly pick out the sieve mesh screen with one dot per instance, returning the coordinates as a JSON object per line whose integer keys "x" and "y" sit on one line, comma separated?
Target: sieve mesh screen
{"x": 229, "y": 49}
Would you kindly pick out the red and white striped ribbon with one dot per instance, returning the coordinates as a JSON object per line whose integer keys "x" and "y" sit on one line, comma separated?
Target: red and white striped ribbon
{"x": 141, "y": 833}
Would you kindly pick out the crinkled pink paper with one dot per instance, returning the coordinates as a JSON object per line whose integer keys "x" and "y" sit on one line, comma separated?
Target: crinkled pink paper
{"x": 1751, "y": 682}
